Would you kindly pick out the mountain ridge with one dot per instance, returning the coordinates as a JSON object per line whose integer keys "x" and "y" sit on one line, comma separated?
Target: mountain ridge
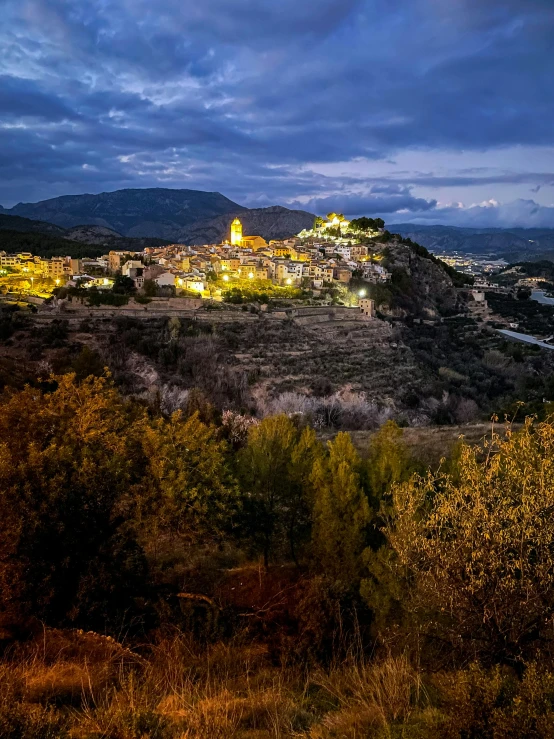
{"x": 500, "y": 242}
{"x": 187, "y": 216}
{"x": 145, "y": 212}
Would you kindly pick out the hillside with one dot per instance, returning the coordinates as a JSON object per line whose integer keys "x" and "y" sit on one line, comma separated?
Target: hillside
{"x": 509, "y": 243}
{"x": 149, "y": 212}
{"x": 84, "y": 243}
{"x": 274, "y": 222}
{"x": 26, "y": 225}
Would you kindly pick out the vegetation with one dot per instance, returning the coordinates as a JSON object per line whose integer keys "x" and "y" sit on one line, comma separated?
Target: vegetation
{"x": 266, "y": 584}
{"x": 45, "y": 245}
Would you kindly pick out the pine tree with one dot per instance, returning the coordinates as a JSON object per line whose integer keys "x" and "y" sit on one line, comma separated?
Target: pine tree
{"x": 341, "y": 510}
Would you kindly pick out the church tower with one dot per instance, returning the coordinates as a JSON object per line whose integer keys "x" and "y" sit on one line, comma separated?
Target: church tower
{"x": 236, "y": 232}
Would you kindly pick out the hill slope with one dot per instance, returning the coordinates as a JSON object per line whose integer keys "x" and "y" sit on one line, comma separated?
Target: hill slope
{"x": 19, "y": 234}
{"x": 16, "y": 223}
{"x": 150, "y": 212}
{"x": 274, "y": 222}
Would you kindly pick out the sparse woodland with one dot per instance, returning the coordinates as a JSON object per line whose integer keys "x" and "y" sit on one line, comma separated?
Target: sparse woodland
{"x": 198, "y": 575}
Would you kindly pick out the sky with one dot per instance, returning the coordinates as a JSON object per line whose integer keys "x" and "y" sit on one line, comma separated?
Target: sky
{"x": 428, "y": 111}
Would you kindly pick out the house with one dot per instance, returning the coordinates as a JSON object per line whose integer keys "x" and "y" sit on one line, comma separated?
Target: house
{"x": 165, "y": 279}
{"x": 367, "y": 307}
{"x": 253, "y": 242}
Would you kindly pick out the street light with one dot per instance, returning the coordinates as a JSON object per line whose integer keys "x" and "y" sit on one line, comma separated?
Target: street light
{"x": 226, "y": 278}
{"x": 361, "y": 293}
{"x": 250, "y": 276}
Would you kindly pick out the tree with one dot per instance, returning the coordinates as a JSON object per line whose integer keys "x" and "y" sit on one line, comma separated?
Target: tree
{"x": 477, "y": 549}
{"x": 298, "y": 516}
{"x": 190, "y": 490}
{"x": 264, "y": 468}
{"x": 388, "y": 460}
{"x": 123, "y": 285}
{"x": 341, "y": 511}
{"x": 150, "y": 288}
{"x": 68, "y": 457}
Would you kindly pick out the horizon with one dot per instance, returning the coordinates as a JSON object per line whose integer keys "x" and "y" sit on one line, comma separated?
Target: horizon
{"x": 420, "y": 114}
{"x": 415, "y": 223}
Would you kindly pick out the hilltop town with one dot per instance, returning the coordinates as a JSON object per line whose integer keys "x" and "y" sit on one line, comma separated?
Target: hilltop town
{"x": 327, "y": 256}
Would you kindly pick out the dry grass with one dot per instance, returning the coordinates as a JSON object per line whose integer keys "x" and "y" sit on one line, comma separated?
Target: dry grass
{"x": 232, "y": 691}
{"x": 377, "y": 695}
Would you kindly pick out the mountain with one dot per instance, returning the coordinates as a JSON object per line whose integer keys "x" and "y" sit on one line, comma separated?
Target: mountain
{"x": 16, "y": 223}
{"x": 513, "y": 243}
{"x": 274, "y": 222}
{"x": 19, "y": 234}
{"x": 149, "y": 212}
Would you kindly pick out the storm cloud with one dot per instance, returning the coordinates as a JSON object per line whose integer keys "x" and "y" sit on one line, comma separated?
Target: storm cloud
{"x": 418, "y": 109}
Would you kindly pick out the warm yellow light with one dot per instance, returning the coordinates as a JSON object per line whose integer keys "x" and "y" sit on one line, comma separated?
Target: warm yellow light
{"x": 58, "y": 281}
{"x": 361, "y": 293}
{"x": 226, "y": 278}
{"x": 179, "y": 281}
{"x": 106, "y": 281}
{"x": 250, "y": 276}
{"x": 289, "y": 281}
{"x": 236, "y": 232}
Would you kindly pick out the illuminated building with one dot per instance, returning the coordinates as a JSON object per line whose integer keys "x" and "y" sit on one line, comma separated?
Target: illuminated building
{"x": 236, "y": 232}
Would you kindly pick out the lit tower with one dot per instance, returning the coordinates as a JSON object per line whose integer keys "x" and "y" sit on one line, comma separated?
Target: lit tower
{"x": 236, "y": 232}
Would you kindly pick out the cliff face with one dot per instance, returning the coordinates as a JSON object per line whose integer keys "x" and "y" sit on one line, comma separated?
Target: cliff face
{"x": 275, "y": 222}
{"x": 421, "y": 285}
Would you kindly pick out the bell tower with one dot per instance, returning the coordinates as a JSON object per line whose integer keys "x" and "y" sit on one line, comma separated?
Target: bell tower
{"x": 236, "y": 232}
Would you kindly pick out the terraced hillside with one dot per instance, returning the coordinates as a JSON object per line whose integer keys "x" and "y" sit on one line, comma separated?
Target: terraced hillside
{"x": 322, "y": 350}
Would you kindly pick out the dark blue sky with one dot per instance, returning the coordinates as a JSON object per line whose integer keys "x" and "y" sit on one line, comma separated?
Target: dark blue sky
{"x": 426, "y": 110}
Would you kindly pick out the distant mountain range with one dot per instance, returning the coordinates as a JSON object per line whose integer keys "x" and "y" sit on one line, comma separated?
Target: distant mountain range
{"x": 187, "y": 216}
{"x": 511, "y": 244}
{"x": 129, "y": 219}
{"x": 154, "y": 212}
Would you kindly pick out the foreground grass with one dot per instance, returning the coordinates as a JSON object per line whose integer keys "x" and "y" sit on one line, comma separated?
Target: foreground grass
{"x": 69, "y": 685}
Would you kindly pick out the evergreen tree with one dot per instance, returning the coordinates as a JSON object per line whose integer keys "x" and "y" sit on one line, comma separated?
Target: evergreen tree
{"x": 341, "y": 510}
{"x": 265, "y": 471}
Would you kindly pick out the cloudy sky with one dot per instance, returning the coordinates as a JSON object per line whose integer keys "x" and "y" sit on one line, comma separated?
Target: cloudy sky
{"x": 434, "y": 111}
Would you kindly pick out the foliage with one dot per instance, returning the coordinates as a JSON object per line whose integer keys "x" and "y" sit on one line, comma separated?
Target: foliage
{"x": 44, "y": 245}
{"x": 65, "y": 467}
{"x": 97, "y": 297}
{"x": 190, "y": 488}
{"x": 123, "y": 285}
{"x": 272, "y": 468}
{"x": 367, "y": 224}
{"x": 150, "y": 288}
{"x": 478, "y": 549}
{"x": 341, "y": 510}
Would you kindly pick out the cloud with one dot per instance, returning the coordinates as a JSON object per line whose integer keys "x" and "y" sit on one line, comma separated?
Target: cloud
{"x": 250, "y": 97}
{"x": 369, "y": 204}
{"x": 518, "y": 213}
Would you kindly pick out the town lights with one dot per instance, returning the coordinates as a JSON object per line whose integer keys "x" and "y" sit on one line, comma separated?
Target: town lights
{"x": 361, "y": 293}
{"x": 106, "y": 281}
{"x": 226, "y": 278}
{"x": 250, "y": 276}
{"x": 57, "y": 281}
{"x": 289, "y": 281}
